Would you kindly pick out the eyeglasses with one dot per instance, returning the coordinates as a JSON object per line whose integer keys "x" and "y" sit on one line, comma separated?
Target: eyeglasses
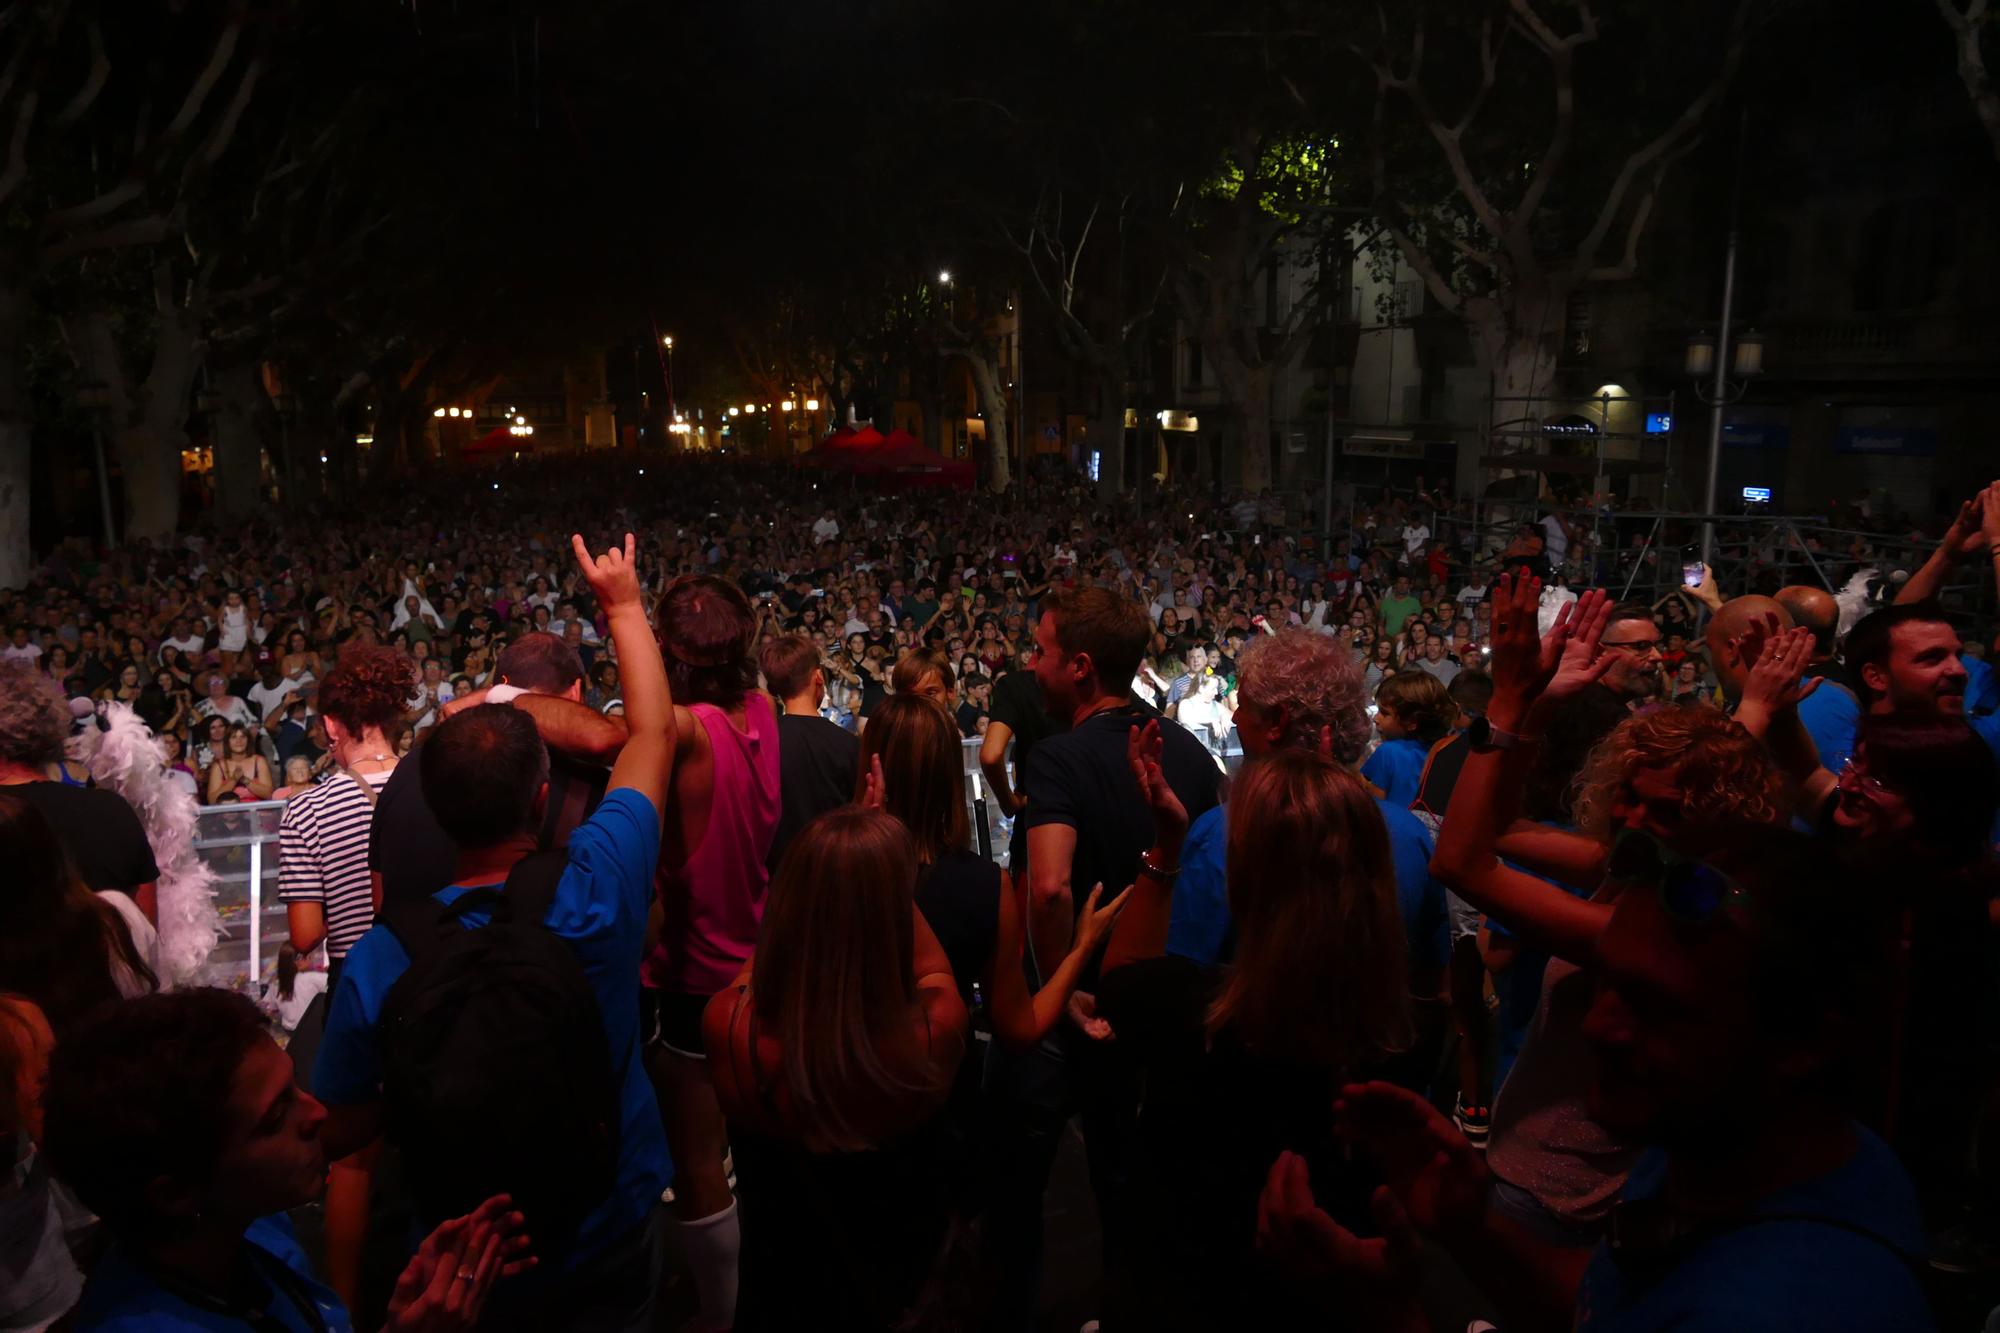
{"x": 1690, "y": 890}
{"x": 1637, "y": 647}
{"x": 1869, "y": 786}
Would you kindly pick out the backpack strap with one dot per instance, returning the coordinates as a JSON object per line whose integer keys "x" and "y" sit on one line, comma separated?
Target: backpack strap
{"x": 531, "y": 884}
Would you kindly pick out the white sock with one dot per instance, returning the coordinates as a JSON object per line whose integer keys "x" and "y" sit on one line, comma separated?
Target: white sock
{"x": 712, "y": 1244}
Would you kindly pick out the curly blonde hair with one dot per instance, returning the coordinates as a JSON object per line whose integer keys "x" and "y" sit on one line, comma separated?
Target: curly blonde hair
{"x": 1724, "y": 774}
{"x": 34, "y": 715}
{"x": 1315, "y": 679}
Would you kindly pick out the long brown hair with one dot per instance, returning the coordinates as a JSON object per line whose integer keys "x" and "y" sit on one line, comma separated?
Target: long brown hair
{"x": 833, "y": 978}
{"x": 1321, "y": 972}
{"x": 923, "y": 772}
{"x": 58, "y": 940}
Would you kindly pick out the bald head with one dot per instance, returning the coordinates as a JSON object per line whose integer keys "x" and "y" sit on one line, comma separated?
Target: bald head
{"x": 1734, "y": 618}
{"x": 1814, "y": 609}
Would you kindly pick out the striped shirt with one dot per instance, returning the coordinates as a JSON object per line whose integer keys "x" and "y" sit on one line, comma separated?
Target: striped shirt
{"x": 323, "y": 856}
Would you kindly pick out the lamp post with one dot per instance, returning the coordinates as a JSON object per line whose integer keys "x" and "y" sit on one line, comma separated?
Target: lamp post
{"x": 668, "y": 343}
{"x": 1711, "y": 358}
{"x": 94, "y": 397}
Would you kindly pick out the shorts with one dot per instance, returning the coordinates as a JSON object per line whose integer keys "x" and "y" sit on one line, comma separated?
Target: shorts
{"x": 673, "y": 1020}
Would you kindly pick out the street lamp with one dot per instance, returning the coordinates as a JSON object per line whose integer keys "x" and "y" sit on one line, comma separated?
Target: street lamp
{"x": 812, "y": 404}
{"x": 1712, "y": 359}
{"x": 944, "y": 277}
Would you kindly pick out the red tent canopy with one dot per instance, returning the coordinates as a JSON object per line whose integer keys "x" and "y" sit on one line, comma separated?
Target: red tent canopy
{"x": 495, "y": 441}
{"x": 899, "y": 456}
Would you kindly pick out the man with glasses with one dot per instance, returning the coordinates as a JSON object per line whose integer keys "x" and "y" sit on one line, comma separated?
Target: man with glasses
{"x": 1635, "y": 639}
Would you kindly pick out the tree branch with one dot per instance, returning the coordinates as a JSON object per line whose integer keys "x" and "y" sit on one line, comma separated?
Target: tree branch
{"x": 1685, "y": 125}
{"x": 93, "y": 82}
{"x": 139, "y": 231}
{"x": 1965, "y": 28}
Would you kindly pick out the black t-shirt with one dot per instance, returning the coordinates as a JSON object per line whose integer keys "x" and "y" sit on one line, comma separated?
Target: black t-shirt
{"x": 416, "y": 857}
{"x": 1082, "y": 778}
{"x": 102, "y": 834}
{"x": 968, "y": 719}
{"x": 817, "y": 766}
{"x": 1017, "y": 705}
{"x": 1214, "y": 1118}
{"x": 960, "y": 898}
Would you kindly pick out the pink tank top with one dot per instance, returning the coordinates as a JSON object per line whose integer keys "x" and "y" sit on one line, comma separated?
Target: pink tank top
{"x": 713, "y": 904}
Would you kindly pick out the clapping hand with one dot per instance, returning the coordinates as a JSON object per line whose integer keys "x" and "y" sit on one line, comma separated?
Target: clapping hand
{"x": 445, "y": 1285}
{"x": 1773, "y": 687}
{"x": 1438, "y": 1178}
{"x": 1143, "y": 748}
{"x": 1526, "y": 664}
{"x": 613, "y": 577}
{"x": 1298, "y": 1233}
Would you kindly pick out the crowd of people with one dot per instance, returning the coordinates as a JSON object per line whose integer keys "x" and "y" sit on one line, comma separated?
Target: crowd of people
{"x": 1376, "y": 906}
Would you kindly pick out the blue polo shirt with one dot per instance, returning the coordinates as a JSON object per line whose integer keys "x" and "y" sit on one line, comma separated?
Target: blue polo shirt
{"x": 1785, "y": 1273}
{"x": 1202, "y": 929}
{"x": 122, "y": 1298}
{"x": 600, "y": 908}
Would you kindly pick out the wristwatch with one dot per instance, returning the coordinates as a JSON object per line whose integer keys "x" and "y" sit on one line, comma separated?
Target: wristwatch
{"x": 1485, "y": 738}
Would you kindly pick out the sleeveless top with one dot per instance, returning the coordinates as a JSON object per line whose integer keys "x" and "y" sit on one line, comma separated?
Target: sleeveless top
{"x": 712, "y": 905}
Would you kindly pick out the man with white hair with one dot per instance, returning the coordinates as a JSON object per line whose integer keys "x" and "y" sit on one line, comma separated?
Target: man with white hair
{"x": 1300, "y": 690}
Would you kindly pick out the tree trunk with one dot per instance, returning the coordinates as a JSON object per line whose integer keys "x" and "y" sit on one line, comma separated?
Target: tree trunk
{"x": 16, "y": 435}
{"x": 1250, "y": 386}
{"x": 993, "y": 401}
{"x": 1517, "y": 343}
{"x": 150, "y": 460}
{"x": 238, "y": 451}
{"x": 1108, "y": 436}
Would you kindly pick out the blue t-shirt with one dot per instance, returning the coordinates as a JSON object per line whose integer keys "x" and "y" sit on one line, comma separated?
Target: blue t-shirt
{"x": 1201, "y": 927}
{"x": 600, "y": 908}
{"x": 1397, "y": 767}
{"x": 122, "y": 1298}
{"x": 1780, "y": 1275}
{"x": 1830, "y": 714}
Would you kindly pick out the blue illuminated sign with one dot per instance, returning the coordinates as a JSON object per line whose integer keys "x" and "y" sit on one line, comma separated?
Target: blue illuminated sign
{"x": 1757, "y": 494}
{"x": 1659, "y": 423}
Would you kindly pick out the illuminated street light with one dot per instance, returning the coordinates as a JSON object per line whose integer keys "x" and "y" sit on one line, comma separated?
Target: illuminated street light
{"x": 668, "y": 342}
{"x": 453, "y": 411}
{"x": 812, "y": 404}
{"x": 438, "y": 412}
{"x": 520, "y": 421}
{"x": 732, "y": 411}
{"x": 944, "y": 276}
{"x": 787, "y": 405}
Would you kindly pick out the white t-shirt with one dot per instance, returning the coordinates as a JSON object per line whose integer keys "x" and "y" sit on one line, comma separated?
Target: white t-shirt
{"x": 269, "y": 698}
{"x": 229, "y": 708}
{"x": 29, "y": 652}
{"x": 825, "y": 529}
{"x": 190, "y": 644}
{"x": 1554, "y": 538}
{"x": 1415, "y": 538}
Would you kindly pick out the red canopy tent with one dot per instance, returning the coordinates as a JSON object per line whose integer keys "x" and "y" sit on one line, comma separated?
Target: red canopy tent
{"x": 850, "y": 446}
{"x": 917, "y": 465}
{"x": 496, "y": 441}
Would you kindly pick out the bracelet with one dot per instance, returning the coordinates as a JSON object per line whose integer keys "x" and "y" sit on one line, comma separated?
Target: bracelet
{"x": 1158, "y": 872}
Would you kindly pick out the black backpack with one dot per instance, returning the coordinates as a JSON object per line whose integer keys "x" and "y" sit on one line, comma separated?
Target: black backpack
{"x": 496, "y": 1074}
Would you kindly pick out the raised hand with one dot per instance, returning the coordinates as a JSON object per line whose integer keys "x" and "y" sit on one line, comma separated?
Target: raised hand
{"x": 1773, "y": 684}
{"x": 1988, "y": 504}
{"x": 1439, "y": 1179}
{"x": 1143, "y": 748}
{"x": 613, "y": 577}
{"x": 1574, "y": 640}
{"x": 1523, "y": 661}
{"x": 1082, "y": 1010}
{"x": 1094, "y": 923}
{"x": 874, "y": 791}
